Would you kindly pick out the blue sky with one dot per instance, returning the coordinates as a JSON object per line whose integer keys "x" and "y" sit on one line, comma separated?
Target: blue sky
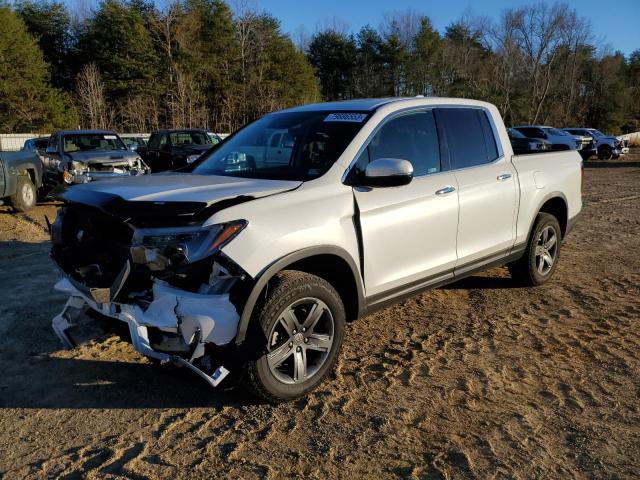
{"x": 616, "y": 22}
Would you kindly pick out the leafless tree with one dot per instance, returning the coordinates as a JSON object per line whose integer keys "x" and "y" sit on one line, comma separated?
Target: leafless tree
{"x": 90, "y": 92}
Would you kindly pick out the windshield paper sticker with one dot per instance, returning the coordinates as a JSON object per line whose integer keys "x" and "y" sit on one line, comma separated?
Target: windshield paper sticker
{"x": 346, "y": 117}
{"x": 109, "y": 137}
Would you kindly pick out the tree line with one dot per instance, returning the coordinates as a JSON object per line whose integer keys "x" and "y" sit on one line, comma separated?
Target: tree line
{"x": 132, "y": 66}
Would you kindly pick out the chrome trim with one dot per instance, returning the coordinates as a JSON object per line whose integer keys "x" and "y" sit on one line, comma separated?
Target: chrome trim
{"x": 503, "y": 177}
{"x": 446, "y": 190}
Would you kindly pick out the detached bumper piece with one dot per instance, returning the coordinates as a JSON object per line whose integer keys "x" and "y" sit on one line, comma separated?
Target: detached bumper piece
{"x": 175, "y": 326}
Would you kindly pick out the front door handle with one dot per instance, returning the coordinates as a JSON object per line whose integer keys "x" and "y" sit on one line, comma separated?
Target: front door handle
{"x": 445, "y": 190}
{"x": 503, "y": 177}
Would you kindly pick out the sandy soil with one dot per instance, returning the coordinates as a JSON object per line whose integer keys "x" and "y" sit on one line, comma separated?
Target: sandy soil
{"x": 479, "y": 379}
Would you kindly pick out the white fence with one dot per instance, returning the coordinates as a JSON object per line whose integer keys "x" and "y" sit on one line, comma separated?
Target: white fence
{"x": 13, "y": 141}
{"x": 634, "y": 139}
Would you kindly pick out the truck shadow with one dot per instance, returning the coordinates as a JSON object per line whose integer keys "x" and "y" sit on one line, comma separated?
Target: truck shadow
{"x": 481, "y": 282}
{"x": 36, "y": 373}
{"x": 610, "y": 164}
{"x": 79, "y": 383}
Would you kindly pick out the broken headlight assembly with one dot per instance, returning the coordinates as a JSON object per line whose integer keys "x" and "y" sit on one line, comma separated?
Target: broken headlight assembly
{"x": 163, "y": 248}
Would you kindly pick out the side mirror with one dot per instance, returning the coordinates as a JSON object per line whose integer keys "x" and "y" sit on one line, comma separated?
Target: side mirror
{"x": 388, "y": 172}
{"x": 51, "y": 150}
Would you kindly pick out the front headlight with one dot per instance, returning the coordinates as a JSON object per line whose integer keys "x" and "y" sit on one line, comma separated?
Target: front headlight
{"x": 176, "y": 246}
{"x": 78, "y": 166}
{"x": 193, "y": 158}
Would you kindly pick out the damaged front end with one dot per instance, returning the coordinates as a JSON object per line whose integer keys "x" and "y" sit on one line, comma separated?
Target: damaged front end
{"x": 178, "y": 293}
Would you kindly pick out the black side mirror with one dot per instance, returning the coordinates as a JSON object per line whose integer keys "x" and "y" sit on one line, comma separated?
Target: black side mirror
{"x": 388, "y": 172}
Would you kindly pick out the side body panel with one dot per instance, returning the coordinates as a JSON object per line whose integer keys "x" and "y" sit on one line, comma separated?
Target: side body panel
{"x": 312, "y": 215}
{"x": 542, "y": 177}
{"x": 15, "y": 164}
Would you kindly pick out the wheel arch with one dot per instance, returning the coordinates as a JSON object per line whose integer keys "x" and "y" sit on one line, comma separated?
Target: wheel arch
{"x": 331, "y": 263}
{"x": 555, "y": 204}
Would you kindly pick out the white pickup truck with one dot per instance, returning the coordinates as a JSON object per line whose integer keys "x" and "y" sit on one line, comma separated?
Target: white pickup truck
{"x": 244, "y": 263}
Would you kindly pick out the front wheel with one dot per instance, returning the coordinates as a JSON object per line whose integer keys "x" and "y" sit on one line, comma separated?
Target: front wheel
{"x": 542, "y": 253}
{"x": 301, "y": 326}
{"x": 605, "y": 153}
{"x": 25, "y": 197}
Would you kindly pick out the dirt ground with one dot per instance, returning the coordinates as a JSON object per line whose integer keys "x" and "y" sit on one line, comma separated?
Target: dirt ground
{"x": 476, "y": 380}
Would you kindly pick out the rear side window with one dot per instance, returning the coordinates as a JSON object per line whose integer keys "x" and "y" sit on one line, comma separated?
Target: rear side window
{"x": 470, "y": 137}
{"x": 531, "y": 132}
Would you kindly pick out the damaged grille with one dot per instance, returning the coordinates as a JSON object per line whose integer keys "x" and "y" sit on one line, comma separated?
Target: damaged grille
{"x": 90, "y": 246}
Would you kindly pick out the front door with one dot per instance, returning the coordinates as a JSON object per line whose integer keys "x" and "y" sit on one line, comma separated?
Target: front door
{"x": 408, "y": 232}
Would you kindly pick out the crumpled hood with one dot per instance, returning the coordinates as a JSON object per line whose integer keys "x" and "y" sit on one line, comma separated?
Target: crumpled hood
{"x": 109, "y": 156}
{"x": 170, "y": 198}
{"x": 186, "y": 187}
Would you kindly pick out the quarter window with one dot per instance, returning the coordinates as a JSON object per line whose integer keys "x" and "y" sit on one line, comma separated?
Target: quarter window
{"x": 469, "y": 136}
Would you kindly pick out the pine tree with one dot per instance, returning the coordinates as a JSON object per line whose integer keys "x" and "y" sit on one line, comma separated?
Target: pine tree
{"x": 27, "y": 101}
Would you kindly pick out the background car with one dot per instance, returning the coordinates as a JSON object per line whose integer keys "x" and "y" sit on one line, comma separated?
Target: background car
{"x": 172, "y": 149}
{"x": 559, "y": 139}
{"x": 605, "y": 146}
{"x": 34, "y": 144}
{"x": 81, "y": 156}
{"x": 522, "y": 145}
{"x": 133, "y": 142}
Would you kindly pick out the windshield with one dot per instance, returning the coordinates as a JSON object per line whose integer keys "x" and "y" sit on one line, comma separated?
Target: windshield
{"x": 513, "y": 133}
{"x": 284, "y": 146}
{"x": 92, "y": 142}
{"x": 189, "y": 138}
{"x": 555, "y": 131}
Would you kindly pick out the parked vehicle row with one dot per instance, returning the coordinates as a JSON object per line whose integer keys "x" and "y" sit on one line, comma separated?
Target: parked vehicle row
{"x": 253, "y": 257}
{"x": 587, "y": 141}
{"x": 605, "y": 146}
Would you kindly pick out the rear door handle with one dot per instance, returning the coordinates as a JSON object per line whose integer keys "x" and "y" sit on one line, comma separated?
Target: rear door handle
{"x": 445, "y": 190}
{"x": 503, "y": 177}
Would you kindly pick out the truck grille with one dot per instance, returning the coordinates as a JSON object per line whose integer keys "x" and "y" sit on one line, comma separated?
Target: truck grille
{"x": 90, "y": 246}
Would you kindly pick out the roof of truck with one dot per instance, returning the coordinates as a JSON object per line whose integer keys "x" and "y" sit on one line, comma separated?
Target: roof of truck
{"x": 372, "y": 104}
{"x": 86, "y": 132}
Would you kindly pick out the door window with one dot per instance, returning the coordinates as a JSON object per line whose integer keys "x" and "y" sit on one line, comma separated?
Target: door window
{"x": 469, "y": 136}
{"x": 157, "y": 141}
{"x": 411, "y": 136}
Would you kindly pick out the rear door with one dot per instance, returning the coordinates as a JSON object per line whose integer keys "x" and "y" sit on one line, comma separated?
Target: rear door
{"x": 487, "y": 187}
{"x": 408, "y": 232}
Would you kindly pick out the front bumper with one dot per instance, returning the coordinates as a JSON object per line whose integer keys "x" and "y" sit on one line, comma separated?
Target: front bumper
{"x": 189, "y": 320}
{"x": 76, "y": 177}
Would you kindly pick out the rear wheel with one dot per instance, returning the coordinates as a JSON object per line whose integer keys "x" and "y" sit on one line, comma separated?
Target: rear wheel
{"x": 25, "y": 197}
{"x": 301, "y": 326}
{"x": 541, "y": 255}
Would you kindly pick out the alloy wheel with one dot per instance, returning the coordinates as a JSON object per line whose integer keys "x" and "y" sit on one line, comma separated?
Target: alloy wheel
{"x": 300, "y": 341}
{"x": 546, "y": 250}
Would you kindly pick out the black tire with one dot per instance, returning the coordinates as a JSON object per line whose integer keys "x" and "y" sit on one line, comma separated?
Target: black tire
{"x": 605, "y": 153}
{"x": 25, "y": 197}
{"x": 287, "y": 289}
{"x": 526, "y": 271}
